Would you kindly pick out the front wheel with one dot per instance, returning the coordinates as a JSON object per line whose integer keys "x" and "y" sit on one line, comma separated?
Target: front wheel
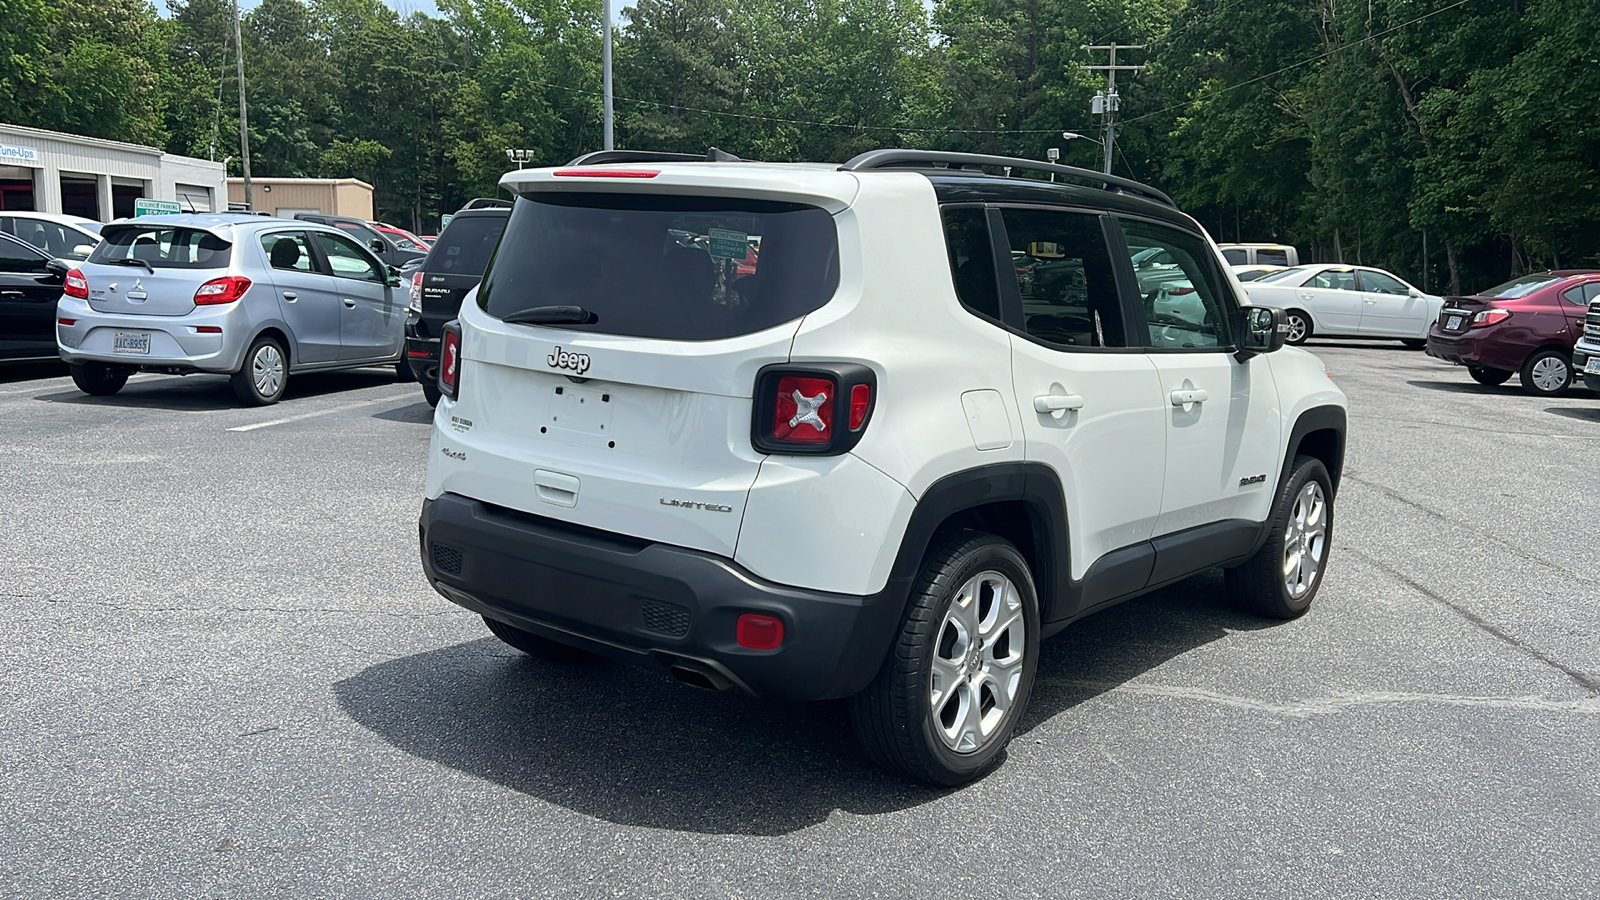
{"x": 99, "y": 379}
{"x": 264, "y": 375}
{"x": 1282, "y": 578}
{"x": 1546, "y": 373}
{"x": 959, "y": 674}
{"x": 1299, "y": 325}
{"x": 1488, "y": 377}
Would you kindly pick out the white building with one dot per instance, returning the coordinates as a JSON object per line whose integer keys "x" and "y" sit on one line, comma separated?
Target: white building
{"x": 48, "y": 171}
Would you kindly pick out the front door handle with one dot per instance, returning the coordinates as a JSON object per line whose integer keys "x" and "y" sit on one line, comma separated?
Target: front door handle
{"x": 1184, "y": 398}
{"x": 1049, "y": 403}
{"x": 10, "y": 293}
{"x": 349, "y": 303}
{"x": 290, "y": 296}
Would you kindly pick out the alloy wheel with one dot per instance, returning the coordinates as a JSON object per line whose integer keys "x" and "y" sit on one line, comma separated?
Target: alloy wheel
{"x": 1297, "y": 329}
{"x": 977, "y": 662}
{"x": 1305, "y": 540}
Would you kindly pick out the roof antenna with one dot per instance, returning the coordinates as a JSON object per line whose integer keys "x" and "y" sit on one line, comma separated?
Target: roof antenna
{"x": 715, "y": 155}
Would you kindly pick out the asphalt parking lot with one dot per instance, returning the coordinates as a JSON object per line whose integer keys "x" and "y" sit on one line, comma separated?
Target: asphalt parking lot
{"x": 223, "y": 675}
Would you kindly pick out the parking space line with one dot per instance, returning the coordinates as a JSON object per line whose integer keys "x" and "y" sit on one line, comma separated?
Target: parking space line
{"x": 310, "y": 415}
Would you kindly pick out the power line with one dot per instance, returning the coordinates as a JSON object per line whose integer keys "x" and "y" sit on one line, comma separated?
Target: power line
{"x": 1303, "y": 62}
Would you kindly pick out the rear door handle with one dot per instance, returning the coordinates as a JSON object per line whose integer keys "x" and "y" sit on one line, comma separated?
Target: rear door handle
{"x": 10, "y": 293}
{"x": 1049, "y": 403}
{"x": 290, "y": 296}
{"x": 1184, "y": 398}
{"x": 349, "y": 303}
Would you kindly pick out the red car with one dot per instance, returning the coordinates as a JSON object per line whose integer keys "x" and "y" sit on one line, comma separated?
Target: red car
{"x": 1524, "y": 327}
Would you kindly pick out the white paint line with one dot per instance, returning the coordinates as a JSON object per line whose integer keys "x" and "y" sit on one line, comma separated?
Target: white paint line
{"x": 311, "y": 415}
{"x": 1299, "y": 709}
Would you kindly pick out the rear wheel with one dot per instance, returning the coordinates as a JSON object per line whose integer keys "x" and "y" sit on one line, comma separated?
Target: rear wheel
{"x": 1546, "y": 373}
{"x": 260, "y": 382}
{"x": 99, "y": 379}
{"x": 1299, "y": 324}
{"x": 958, "y": 677}
{"x": 1282, "y": 578}
{"x": 402, "y": 371}
{"x": 1486, "y": 376}
{"x": 430, "y": 393}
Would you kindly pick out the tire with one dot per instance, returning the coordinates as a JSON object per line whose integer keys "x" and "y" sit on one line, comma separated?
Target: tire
{"x": 1489, "y": 377}
{"x": 262, "y": 378}
{"x": 430, "y": 393}
{"x": 1414, "y": 344}
{"x": 99, "y": 379}
{"x": 402, "y": 371}
{"x": 903, "y": 720}
{"x": 1299, "y": 327}
{"x": 1260, "y": 584}
{"x": 1546, "y": 373}
{"x": 535, "y": 645}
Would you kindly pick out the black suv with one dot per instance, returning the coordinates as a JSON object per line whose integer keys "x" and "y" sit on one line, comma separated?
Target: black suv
{"x": 453, "y": 268}
{"x": 370, "y": 237}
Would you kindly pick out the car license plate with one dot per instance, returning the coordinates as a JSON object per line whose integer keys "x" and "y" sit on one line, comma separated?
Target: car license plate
{"x": 130, "y": 342}
{"x": 1593, "y": 366}
{"x": 1452, "y": 323}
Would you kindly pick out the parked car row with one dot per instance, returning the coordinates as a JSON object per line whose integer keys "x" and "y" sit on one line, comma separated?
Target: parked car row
{"x": 1528, "y": 327}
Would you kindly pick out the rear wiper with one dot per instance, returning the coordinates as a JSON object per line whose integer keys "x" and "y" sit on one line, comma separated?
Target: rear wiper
{"x": 133, "y": 262}
{"x": 552, "y": 315}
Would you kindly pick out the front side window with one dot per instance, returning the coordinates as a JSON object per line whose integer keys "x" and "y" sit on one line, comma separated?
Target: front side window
{"x": 1184, "y": 303}
{"x": 1064, "y": 274}
{"x": 288, "y": 251}
{"x": 347, "y": 260}
{"x": 18, "y": 259}
{"x": 966, "y": 241}
{"x": 1333, "y": 280}
{"x": 161, "y": 247}
{"x": 663, "y": 266}
{"x": 1236, "y": 256}
{"x": 1380, "y": 283}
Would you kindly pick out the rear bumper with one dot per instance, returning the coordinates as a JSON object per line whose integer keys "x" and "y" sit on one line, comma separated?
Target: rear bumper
{"x": 1477, "y": 348}
{"x": 651, "y": 604}
{"x": 422, "y": 348}
{"x": 175, "y": 342}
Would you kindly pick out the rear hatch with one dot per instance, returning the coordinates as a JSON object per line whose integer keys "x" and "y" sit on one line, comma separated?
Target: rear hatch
{"x": 636, "y": 419}
{"x": 152, "y": 269}
{"x": 457, "y": 261}
{"x": 1456, "y": 315}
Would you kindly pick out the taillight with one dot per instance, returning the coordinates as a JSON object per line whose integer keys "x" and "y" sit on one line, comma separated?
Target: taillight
{"x": 450, "y": 360}
{"x": 1180, "y": 291}
{"x": 1490, "y": 317}
{"x": 226, "y": 289}
{"x": 816, "y": 408}
{"x": 416, "y": 291}
{"x": 757, "y": 632}
{"x": 76, "y": 285}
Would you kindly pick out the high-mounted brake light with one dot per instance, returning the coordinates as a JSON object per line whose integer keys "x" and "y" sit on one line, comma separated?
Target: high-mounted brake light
{"x": 226, "y": 289}
{"x": 1490, "y": 317}
{"x": 606, "y": 173}
{"x": 76, "y": 285}
{"x": 450, "y": 360}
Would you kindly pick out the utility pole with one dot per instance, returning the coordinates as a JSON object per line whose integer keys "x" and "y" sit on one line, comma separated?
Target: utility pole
{"x": 244, "y": 119}
{"x": 605, "y": 63}
{"x": 1107, "y": 103}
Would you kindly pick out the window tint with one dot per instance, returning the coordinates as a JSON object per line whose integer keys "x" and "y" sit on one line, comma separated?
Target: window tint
{"x": 466, "y": 245}
{"x": 162, "y": 247}
{"x": 1591, "y": 291}
{"x": 1333, "y": 280}
{"x": 14, "y": 257}
{"x": 1183, "y": 299}
{"x": 966, "y": 240}
{"x": 1520, "y": 287}
{"x": 55, "y": 239}
{"x": 346, "y": 259}
{"x": 1236, "y": 256}
{"x": 1290, "y": 277}
{"x": 1582, "y": 294}
{"x": 361, "y": 233}
{"x": 664, "y": 266}
{"x": 288, "y": 251}
{"x": 403, "y": 242}
{"x": 1379, "y": 283}
{"x": 1063, "y": 270}
{"x": 1268, "y": 257}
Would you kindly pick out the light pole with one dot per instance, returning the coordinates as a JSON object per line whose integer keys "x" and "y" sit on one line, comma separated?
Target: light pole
{"x": 520, "y": 157}
{"x": 605, "y": 64}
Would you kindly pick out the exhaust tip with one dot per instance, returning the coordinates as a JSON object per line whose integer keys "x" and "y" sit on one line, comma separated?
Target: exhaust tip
{"x": 700, "y": 678}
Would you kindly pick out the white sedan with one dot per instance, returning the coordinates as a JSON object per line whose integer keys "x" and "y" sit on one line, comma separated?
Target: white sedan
{"x": 1336, "y": 300}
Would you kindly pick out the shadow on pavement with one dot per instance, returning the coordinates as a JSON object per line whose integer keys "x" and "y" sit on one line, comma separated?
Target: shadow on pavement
{"x": 1314, "y": 342}
{"x": 1472, "y": 387}
{"x": 203, "y": 393}
{"x": 1581, "y": 413}
{"x": 633, "y": 747}
{"x": 10, "y": 372}
{"x": 419, "y": 413}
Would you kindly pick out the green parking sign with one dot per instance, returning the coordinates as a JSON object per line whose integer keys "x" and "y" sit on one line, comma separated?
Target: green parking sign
{"x": 143, "y": 207}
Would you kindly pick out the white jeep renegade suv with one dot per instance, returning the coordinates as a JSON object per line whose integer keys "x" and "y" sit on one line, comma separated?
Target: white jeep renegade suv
{"x": 866, "y": 431}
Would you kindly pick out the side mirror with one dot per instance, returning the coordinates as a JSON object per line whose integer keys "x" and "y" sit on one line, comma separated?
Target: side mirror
{"x": 1262, "y": 329}
{"x": 57, "y": 269}
{"x": 378, "y": 246}
{"x": 83, "y": 250}
{"x": 1414, "y": 293}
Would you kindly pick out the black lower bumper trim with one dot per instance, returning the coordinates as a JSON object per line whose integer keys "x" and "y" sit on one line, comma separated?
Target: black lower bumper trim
{"x": 652, "y": 604}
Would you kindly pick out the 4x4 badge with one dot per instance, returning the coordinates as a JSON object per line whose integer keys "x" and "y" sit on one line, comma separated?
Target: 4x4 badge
{"x": 561, "y": 359}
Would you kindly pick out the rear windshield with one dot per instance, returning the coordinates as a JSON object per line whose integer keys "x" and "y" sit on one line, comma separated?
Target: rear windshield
{"x": 465, "y": 246}
{"x": 1520, "y": 287}
{"x": 162, "y": 246}
{"x": 676, "y": 268}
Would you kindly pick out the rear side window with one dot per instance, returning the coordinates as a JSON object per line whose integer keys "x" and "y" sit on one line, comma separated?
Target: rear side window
{"x": 1237, "y": 257}
{"x": 1269, "y": 257}
{"x": 466, "y": 245}
{"x": 669, "y": 267}
{"x": 966, "y": 240}
{"x": 162, "y": 247}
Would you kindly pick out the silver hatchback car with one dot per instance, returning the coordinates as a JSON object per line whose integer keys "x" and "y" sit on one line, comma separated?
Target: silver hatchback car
{"x": 236, "y": 294}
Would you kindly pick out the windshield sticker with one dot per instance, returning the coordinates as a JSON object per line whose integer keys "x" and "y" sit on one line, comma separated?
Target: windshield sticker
{"x": 727, "y": 244}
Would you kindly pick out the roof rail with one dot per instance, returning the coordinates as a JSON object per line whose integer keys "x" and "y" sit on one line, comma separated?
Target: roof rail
{"x": 487, "y": 203}
{"x": 600, "y": 157}
{"x": 889, "y": 159}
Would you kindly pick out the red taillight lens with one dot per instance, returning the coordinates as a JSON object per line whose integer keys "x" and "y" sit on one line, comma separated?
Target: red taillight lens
{"x": 755, "y": 632}
{"x": 804, "y": 410}
{"x": 860, "y": 402}
{"x": 450, "y": 361}
{"x": 76, "y": 285}
{"x": 606, "y": 173}
{"x": 1180, "y": 291}
{"x": 66, "y": 321}
{"x": 1490, "y": 317}
{"x": 226, "y": 289}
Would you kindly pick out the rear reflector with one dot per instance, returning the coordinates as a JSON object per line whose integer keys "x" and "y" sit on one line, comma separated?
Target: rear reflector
{"x": 226, "y": 289}
{"x": 860, "y": 402}
{"x": 755, "y": 632}
{"x": 76, "y": 285}
{"x": 208, "y": 329}
{"x": 606, "y": 173}
{"x": 420, "y": 354}
{"x": 66, "y": 321}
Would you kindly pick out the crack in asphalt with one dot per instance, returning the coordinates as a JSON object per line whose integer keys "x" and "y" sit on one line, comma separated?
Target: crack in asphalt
{"x": 1302, "y": 709}
{"x": 215, "y": 609}
{"x": 1461, "y": 427}
{"x": 1584, "y": 680}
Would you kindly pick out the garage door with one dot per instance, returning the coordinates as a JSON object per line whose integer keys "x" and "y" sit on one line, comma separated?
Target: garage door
{"x": 194, "y": 199}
